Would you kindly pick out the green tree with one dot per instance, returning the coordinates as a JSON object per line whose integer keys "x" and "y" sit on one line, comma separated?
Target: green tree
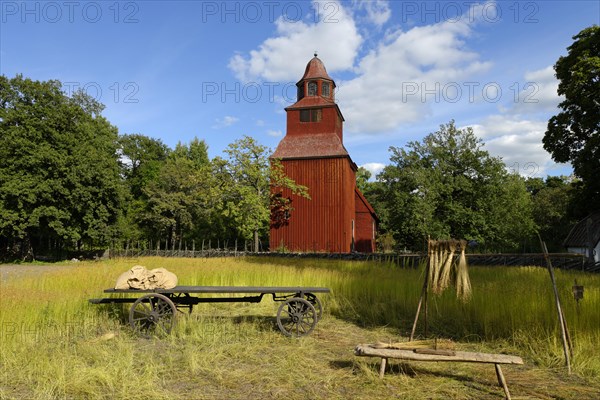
{"x": 179, "y": 200}
{"x": 59, "y": 176}
{"x": 196, "y": 151}
{"x": 573, "y": 135}
{"x": 448, "y": 186}
{"x": 553, "y": 209}
{"x": 362, "y": 179}
{"x": 247, "y": 201}
{"x": 141, "y": 160}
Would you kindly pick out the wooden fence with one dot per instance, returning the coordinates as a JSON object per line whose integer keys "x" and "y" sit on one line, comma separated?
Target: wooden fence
{"x": 559, "y": 260}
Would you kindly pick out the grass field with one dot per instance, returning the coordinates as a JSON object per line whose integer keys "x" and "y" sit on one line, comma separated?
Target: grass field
{"x": 54, "y": 344}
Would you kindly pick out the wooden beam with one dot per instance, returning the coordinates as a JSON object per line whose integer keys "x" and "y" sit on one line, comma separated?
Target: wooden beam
{"x": 422, "y": 299}
{"x": 364, "y": 350}
{"x": 502, "y": 381}
{"x": 561, "y": 316}
{"x": 382, "y": 367}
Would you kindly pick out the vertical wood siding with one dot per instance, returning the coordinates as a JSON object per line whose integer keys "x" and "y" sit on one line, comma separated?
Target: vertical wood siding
{"x": 323, "y": 223}
{"x": 365, "y": 224}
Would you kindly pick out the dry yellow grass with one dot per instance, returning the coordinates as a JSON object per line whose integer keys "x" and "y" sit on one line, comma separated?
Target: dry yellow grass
{"x": 57, "y": 346}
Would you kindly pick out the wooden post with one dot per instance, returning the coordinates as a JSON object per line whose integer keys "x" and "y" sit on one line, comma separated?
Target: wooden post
{"x": 569, "y": 342}
{"x": 421, "y": 299}
{"x": 382, "y": 367}
{"x": 502, "y": 381}
{"x": 561, "y": 319}
{"x": 425, "y": 312}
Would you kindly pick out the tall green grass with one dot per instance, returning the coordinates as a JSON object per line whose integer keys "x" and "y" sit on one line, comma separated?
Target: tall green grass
{"x": 52, "y": 338}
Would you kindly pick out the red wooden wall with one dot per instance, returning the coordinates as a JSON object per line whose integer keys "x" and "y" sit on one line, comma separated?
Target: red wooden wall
{"x": 365, "y": 225}
{"x": 331, "y": 122}
{"x": 323, "y": 223}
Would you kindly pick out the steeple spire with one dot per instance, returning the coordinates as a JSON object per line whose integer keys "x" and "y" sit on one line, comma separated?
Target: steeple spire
{"x": 315, "y": 69}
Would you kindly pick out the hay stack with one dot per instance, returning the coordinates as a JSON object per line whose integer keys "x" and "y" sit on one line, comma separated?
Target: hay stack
{"x": 444, "y": 280}
{"x": 443, "y": 268}
{"x": 463, "y": 283}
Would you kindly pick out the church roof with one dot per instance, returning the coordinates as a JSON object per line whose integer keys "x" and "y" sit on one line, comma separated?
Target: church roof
{"x": 310, "y": 146}
{"x": 315, "y": 69}
{"x": 313, "y": 101}
{"x": 578, "y": 237}
{"x": 364, "y": 200}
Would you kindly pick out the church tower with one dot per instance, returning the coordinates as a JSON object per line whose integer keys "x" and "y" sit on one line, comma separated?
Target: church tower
{"x": 337, "y": 218}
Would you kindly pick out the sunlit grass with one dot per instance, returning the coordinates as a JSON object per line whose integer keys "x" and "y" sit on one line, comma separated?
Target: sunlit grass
{"x": 508, "y": 303}
{"x": 54, "y": 344}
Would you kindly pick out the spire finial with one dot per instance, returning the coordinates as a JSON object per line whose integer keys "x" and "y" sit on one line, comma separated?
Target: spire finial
{"x": 315, "y": 53}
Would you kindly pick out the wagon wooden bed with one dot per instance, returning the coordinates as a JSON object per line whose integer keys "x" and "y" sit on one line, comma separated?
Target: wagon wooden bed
{"x": 155, "y": 311}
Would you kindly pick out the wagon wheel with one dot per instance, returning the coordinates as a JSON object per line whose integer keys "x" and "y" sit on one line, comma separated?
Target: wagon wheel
{"x": 296, "y": 317}
{"x": 153, "y": 313}
{"x": 314, "y": 300}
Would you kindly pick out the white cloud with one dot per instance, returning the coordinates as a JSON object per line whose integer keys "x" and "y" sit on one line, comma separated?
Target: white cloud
{"x": 260, "y": 122}
{"x": 274, "y": 133}
{"x": 224, "y": 122}
{"x": 393, "y": 79}
{"x": 519, "y": 143}
{"x": 539, "y": 93}
{"x": 516, "y": 134}
{"x": 374, "y": 168}
{"x": 283, "y": 57}
{"x": 378, "y": 11}
{"x": 500, "y": 125}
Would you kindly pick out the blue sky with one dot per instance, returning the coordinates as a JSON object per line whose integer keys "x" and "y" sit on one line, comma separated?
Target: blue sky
{"x": 219, "y": 70}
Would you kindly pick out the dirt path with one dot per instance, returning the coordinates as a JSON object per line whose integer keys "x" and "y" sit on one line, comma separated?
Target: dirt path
{"x": 11, "y": 271}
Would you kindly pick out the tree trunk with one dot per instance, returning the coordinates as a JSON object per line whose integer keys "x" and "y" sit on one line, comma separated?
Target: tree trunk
{"x": 256, "y": 240}
{"x": 27, "y": 251}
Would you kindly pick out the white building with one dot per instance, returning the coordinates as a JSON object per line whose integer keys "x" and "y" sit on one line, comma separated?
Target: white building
{"x": 584, "y": 238}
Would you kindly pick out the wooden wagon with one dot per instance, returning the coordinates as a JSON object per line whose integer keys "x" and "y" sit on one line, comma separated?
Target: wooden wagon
{"x": 155, "y": 311}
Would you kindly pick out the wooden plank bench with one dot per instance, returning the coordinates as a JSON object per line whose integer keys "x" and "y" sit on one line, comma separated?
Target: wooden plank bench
{"x": 419, "y": 354}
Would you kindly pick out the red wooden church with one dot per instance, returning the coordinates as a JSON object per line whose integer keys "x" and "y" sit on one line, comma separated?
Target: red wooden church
{"x": 337, "y": 218}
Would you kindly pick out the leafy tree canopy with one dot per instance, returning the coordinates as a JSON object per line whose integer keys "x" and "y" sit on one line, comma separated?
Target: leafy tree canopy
{"x": 248, "y": 201}
{"x": 552, "y": 210}
{"x": 141, "y": 159}
{"x": 59, "y": 177}
{"x": 573, "y": 135}
{"x": 448, "y": 186}
{"x": 362, "y": 179}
